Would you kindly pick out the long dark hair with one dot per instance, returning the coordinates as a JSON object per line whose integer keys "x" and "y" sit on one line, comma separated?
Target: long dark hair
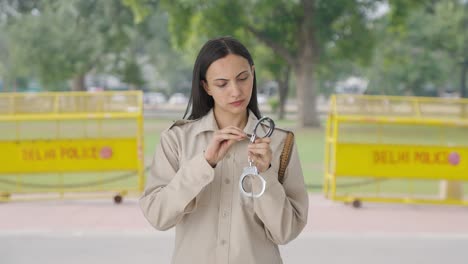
{"x": 200, "y": 102}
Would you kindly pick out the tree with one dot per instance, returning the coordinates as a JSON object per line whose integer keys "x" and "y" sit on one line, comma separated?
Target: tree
{"x": 171, "y": 66}
{"x": 421, "y": 54}
{"x": 61, "y": 40}
{"x": 10, "y": 73}
{"x": 270, "y": 66}
{"x": 303, "y": 33}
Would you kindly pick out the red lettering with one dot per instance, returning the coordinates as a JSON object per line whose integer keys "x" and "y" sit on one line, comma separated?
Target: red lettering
{"x": 37, "y": 154}
{"x": 69, "y": 153}
{"x": 428, "y": 158}
{"x": 63, "y": 153}
{"x": 27, "y": 154}
{"x": 86, "y": 153}
{"x": 90, "y": 153}
{"x": 50, "y": 154}
{"x": 404, "y": 157}
{"x": 379, "y": 157}
{"x": 441, "y": 157}
{"x": 420, "y": 157}
{"x": 390, "y": 157}
{"x": 94, "y": 152}
{"x": 74, "y": 153}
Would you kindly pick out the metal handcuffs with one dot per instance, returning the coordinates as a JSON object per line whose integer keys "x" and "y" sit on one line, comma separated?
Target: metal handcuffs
{"x": 252, "y": 169}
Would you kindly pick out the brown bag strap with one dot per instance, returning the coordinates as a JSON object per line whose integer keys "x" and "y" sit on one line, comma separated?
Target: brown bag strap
{"x": 285, "y": 155}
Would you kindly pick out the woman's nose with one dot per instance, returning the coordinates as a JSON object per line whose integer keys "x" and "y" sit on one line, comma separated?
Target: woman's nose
{"x": 235, "y": 89}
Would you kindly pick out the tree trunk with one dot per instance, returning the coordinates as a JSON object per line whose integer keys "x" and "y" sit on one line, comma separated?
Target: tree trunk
{"x": 463, "y": 92}
{"x": 283, "y": 89}
{"x": 463, "y": 79}
{"x": 304, "y": 69}
{"x": 14, "y": 85}
{"x": 302, "y": 63}
{"x": 78, "y": 83}
{"x": 306, "y": 97}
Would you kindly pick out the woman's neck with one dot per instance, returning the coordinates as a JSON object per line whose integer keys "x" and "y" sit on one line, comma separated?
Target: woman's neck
{"x": 224, "y": 119}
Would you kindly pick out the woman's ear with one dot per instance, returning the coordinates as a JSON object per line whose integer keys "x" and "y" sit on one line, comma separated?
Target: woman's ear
{"x": 205, "y": 87}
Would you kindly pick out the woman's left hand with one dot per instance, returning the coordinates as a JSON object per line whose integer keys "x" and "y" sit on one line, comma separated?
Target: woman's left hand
{"x": 260, "y": 153}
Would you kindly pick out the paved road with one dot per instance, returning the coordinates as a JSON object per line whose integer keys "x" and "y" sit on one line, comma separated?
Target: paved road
{"x": 120, "y": 248}
{"x": 97, "y": 231}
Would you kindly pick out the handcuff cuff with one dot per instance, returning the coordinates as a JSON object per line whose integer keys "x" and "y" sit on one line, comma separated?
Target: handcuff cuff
{"x": 252, "y": 170}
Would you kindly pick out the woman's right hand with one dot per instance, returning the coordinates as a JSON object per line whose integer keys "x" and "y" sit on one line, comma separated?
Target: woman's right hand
{"x": 221, "y": 142}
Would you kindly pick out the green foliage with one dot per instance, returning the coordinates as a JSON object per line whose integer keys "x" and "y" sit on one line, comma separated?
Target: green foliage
{"x": 273, "y": 102}
{"x": 423, "y": 57}
{"x": 307, "y": 35}
{"x": 172, "y": 66}
{"x": 140, "y": 9}
{"x": 132, "y": 74}
{"x": 64, "y": 39}
{"x": 415, "y": 48}
{"x": 342, "y": 28}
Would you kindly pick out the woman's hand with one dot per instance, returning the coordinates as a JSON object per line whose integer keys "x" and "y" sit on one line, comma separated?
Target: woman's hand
{"x": 260, "y": 153}
{"x": 222, "y": 140}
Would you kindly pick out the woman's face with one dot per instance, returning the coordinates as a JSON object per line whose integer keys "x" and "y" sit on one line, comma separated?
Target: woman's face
{"x": 229, "y": 81}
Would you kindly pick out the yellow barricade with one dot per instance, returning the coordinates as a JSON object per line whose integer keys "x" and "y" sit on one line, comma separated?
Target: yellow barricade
{"x": 71, "y": 144}
{"x": 396, "y": 149}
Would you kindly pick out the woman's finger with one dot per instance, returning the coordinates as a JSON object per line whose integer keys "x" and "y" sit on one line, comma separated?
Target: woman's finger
{"x": 259, "y": 146}
{"x": 263, "y": 140}
{"x": 233, "y": 130}
{"x": 223, "y": 136}
{"x": 260, "y": 151}
{"x": 261, "y": 163}
{"x": 266, "y": 157}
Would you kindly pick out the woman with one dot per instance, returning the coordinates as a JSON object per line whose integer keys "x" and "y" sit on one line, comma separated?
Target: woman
{"x": 193, "y": 184}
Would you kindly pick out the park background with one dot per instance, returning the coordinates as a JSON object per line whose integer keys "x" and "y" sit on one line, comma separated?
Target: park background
{"x": 304, "y": 52}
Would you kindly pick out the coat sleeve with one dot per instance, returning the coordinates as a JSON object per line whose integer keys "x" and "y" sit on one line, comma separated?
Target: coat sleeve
{"x": 283, "y": 208}
{"x": 172, "y": 189}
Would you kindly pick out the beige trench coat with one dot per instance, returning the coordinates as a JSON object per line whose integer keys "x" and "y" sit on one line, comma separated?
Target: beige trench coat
{"x": 214, "y": 222}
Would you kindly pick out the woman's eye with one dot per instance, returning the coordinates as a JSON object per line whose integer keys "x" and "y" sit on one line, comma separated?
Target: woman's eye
{"x": 244, "y": 78}
{"x": 222, "y": 85}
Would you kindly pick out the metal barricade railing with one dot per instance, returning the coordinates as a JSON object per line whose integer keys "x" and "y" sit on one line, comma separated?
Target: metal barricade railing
{"x": 396, "y": 149}
{"x": 71, "y": 144}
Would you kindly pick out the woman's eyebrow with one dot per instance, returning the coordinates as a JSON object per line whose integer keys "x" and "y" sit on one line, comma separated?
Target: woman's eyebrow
{"x": 241, "y": 73}
{"x": 222, "y": 79}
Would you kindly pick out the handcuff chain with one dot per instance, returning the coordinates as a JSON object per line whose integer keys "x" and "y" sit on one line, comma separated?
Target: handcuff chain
{"x": 252, "y": 140}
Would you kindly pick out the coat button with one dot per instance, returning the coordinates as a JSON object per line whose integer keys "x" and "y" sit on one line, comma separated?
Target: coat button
{"x": 228, "y": 156}
{"x": 227, "y": 181}
{"x": 223, "y": 242}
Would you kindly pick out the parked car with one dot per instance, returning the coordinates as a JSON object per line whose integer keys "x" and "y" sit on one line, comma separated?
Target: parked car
{"x": 178, "y": 98}
{"x": 262, "y": 99}
{"x": 154, "y": 98}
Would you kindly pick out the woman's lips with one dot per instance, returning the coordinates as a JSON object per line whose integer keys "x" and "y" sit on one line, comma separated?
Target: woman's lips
{"x": 237, "y": 103}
